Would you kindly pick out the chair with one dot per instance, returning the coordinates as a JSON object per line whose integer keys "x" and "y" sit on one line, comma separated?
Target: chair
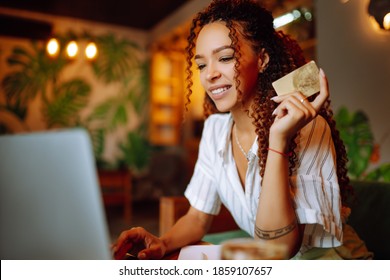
{"x": 116, "y": 188}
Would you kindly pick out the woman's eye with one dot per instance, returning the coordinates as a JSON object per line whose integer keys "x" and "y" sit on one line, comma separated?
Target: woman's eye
{"x": 201, "y": 66}
{"x": 226, "y": 58}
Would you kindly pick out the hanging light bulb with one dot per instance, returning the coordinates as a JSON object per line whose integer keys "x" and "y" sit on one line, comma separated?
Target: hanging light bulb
{"x": 386, "y": 21}
{"x": 380, "y": 11}
{"x": 91, "y": 51}
{"x": 53, "y": 47}
{"x": 286, "y": 18}
{"x": 72, "y": 49}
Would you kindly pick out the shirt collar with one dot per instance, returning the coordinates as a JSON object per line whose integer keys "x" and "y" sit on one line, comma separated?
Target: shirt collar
{"x": 223, "y": 145}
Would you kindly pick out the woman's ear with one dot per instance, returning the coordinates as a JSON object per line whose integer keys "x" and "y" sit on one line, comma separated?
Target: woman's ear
{"x": 263, "y": 60}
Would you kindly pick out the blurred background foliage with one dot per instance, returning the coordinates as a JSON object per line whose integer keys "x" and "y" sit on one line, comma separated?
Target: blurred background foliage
{"x": 119, "y": 61}
{"x": 363, "y": 152}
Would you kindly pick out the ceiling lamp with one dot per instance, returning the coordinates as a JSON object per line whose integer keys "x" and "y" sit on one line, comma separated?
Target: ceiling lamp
{"x": 72, "y": 49}
{"x": 91, "y": 51}
{"x": 380, "y": 11}
{"x": 386, "y": 21}
{"x": 53, "y": 47}
{"x": 286, "y": 18}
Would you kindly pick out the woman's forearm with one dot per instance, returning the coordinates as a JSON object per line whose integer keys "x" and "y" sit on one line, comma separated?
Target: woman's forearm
{"x": 276, "y": 220}
{"x": 187, "y": 230}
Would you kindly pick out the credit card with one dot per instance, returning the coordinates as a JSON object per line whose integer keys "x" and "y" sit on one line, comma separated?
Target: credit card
{"x": 304, "y": 79}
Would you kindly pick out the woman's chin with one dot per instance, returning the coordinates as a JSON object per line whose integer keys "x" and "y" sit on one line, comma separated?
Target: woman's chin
{"x": 224, "y": 106}
{"x": 223, "y": 109}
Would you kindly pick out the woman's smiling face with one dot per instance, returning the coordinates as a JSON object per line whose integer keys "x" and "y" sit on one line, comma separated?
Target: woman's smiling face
{"x": 216, "y": 59}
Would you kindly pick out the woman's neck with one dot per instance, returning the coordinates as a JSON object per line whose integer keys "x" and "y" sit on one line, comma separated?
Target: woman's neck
{"x": 243, "y": 123}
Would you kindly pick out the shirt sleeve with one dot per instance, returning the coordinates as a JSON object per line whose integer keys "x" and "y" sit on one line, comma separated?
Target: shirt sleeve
{"x": 315, "y": 186}
{"x": 202, "y": 190}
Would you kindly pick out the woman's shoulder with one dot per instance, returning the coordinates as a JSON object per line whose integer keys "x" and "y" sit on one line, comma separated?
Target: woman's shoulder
{"x": 317, "y": 125}
{"x": 315, "y": 137}
{"x": 217, "y": 128}
{"x": 217, "y": 121}
{"x": 315, "y": 133}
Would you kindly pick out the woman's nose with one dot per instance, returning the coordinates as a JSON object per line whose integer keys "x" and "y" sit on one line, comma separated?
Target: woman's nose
{"x": 212, "y": 74}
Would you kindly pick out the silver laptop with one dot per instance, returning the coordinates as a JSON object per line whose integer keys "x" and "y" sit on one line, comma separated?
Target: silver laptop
{"x": 50, "y": 200}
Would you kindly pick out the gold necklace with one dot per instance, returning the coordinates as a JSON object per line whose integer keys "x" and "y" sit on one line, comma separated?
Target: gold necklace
{"x": 239, "y": 145}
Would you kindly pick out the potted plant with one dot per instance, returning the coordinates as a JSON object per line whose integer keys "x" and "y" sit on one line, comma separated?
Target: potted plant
{"x": 356, "y": 133}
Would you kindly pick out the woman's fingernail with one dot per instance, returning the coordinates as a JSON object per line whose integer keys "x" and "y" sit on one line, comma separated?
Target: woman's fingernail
{"x": 274, "y": 97}
{"x": 274, "y": 112}
{"x": 322, "y": 73}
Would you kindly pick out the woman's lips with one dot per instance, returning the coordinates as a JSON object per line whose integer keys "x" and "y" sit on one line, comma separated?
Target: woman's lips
{"x": 218, "y": 92}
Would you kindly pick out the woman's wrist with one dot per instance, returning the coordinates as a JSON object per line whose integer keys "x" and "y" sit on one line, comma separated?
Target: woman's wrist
{"x": 164, "y": 245}
{"x": 286, "y": 155}
{"x": 279, "y": 144}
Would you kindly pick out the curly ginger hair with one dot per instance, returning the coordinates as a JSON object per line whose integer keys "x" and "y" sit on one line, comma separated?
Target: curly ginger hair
{"x": 255, "y": 24}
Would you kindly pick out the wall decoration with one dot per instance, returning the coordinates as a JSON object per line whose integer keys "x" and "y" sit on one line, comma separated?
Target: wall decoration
{"x": 36, "y": 82}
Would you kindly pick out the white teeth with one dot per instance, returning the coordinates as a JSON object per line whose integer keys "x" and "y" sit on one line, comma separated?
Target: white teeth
{"x": 219, "y": 90}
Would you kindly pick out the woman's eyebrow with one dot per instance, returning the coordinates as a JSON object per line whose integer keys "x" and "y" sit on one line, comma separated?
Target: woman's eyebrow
{"x": 214, "y": 51}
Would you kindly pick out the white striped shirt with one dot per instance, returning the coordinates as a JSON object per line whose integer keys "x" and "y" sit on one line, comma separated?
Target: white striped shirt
{"x": 314, "y": 185}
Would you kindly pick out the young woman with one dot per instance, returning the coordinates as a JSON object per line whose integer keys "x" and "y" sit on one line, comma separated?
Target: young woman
{"x": 276, "y": 162}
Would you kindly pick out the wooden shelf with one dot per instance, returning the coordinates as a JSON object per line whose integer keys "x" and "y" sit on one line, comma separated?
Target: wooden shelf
{"x": 167, "y": 95}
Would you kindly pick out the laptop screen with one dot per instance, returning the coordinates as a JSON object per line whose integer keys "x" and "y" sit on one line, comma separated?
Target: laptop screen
{"x": 50, "y": 200}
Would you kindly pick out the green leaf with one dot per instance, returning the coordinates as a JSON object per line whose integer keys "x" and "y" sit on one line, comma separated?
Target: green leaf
{"x": 116, "y": 60}
{"x": 381, "y": 173}
{"x": 98, "y": 140}
{"x": 342, "y": 117}
{"x": 355, "y": 131}
{"x": 136, "y": 151}
{"x": 71, "y": 97}
{"x": 14, "y": 61}
{"x": 101, "y": 111}
{"x": 385, "y": 172}
{"x": 359, "y": 118}
{"x": 33, "y": 70}
{"x": 120, "y": 116}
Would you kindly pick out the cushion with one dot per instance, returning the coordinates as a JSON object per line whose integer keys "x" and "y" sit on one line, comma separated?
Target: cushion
{"x": 370, "y": 216}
